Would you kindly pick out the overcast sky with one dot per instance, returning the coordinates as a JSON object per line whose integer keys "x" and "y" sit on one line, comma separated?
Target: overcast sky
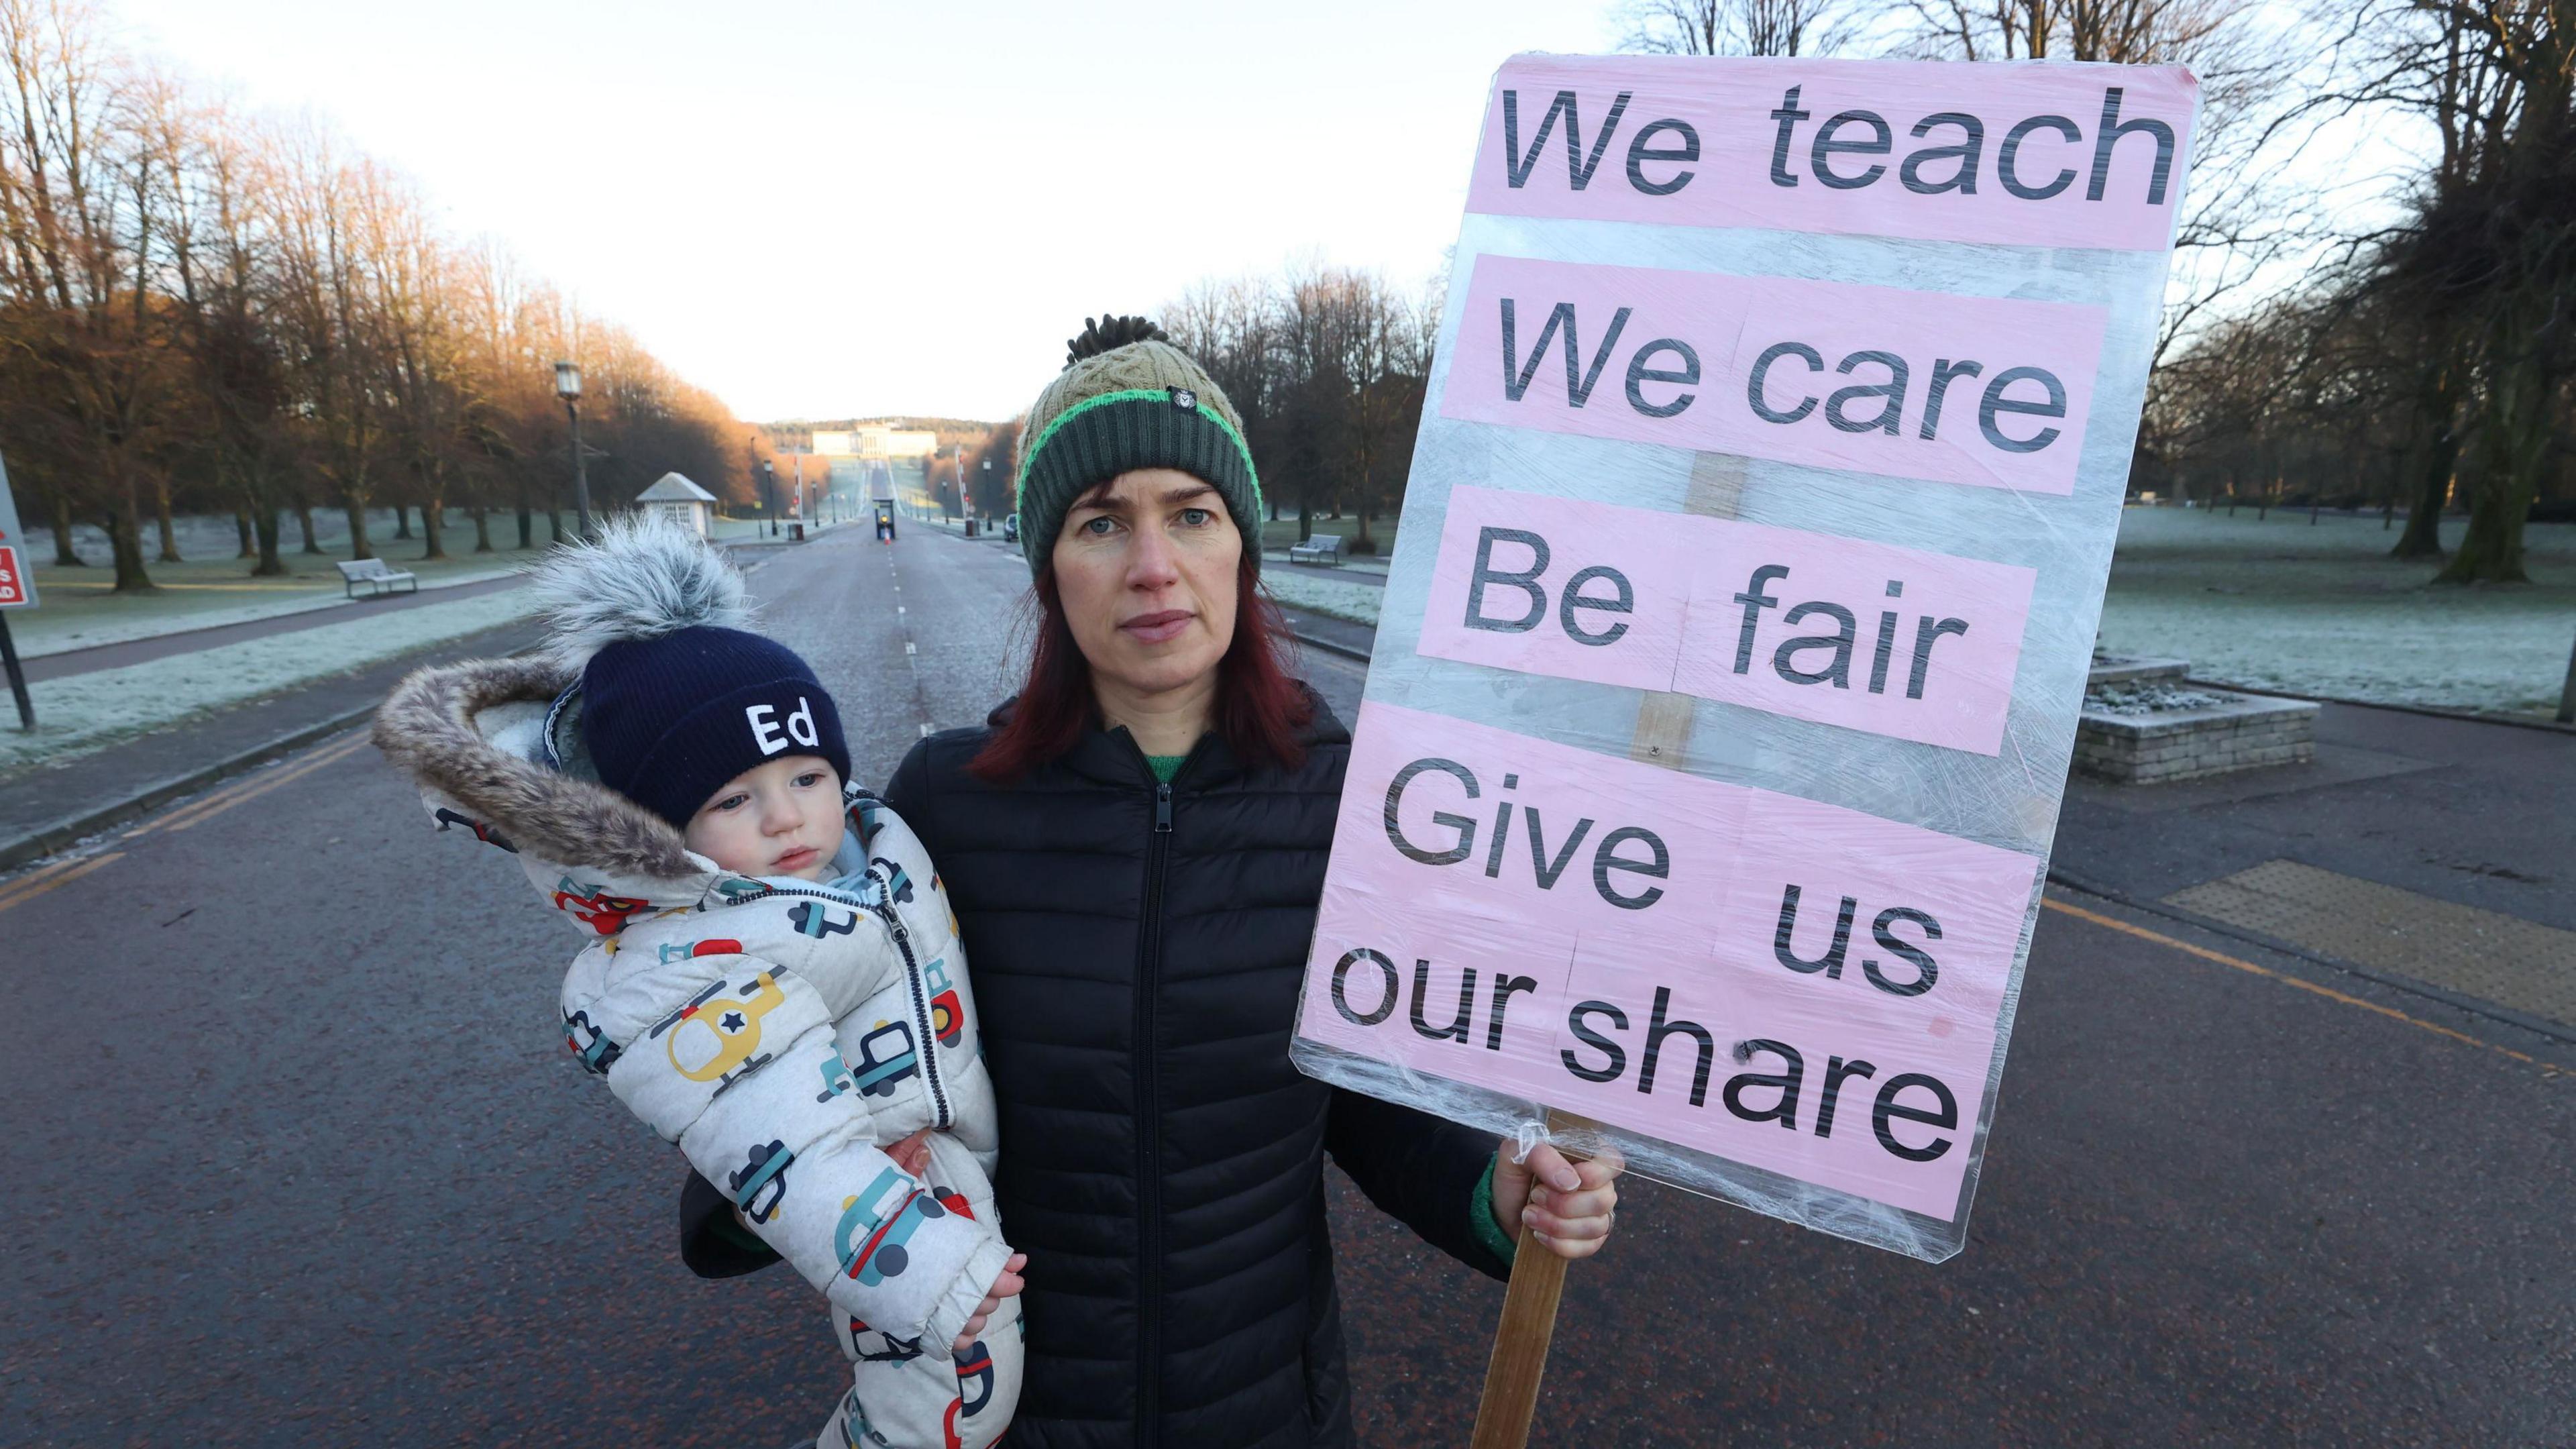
{"x": 825, "y": 209}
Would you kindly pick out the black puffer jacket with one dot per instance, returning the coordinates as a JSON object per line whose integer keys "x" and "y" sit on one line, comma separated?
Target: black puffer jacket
{"x": 1135, "y": 950}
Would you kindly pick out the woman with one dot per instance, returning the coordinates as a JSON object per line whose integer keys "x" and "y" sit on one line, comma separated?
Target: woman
{"x": 1135, "y": 847}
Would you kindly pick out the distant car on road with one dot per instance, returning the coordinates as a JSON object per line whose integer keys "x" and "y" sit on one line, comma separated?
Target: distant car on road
{"x": 1011, "y": 528}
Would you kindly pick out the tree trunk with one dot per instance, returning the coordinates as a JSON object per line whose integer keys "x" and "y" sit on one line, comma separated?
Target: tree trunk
{"x": 125, "y": 540}
{"x": 2491, "y": 551}
{"x": 482, "y": 528}
{"x": 357, "y": 510}
{"x": 263, "y": 530}
{"x": 2431, "y": 456}
{"x": 169, "y": 526}
{"x": 554, "y": 524}
{"x": 125, "y": 549}
{"x": 65, "y": 556}
{"x": 402, "y": 521}
{"x": 304, "y": 517}
{"x": 2513, "y": 448}
{"x": 527, "y": 526}
{"x": 433, "y": 522}
{"x": 241, "y": 525}
{"x": 1305, "y": 522}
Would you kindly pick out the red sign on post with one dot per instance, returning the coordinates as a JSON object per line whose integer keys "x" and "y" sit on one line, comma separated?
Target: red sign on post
{"x": 17, "y": 584}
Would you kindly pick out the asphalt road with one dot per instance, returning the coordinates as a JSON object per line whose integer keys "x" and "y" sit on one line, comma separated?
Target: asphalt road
{"x": 297, "y": 1158}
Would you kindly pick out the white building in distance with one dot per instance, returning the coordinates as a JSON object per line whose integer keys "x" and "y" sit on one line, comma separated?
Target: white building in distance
{"x": 681, "y": 501}
{"x": 876, "y": 441}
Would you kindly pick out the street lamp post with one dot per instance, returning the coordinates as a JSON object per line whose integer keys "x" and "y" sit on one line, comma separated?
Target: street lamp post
{"x": 986, "y": 492}
{"x": 769, "y": 494}
{"x": 568, "y": 387}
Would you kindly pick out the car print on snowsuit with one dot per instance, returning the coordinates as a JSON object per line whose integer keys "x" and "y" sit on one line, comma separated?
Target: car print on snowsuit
{"x": 948, "y": 1018}
{"x": 589, "y": 1043}
{"x": 868, "y": 1345}
{"x": 888, "y": 1213}
{"x": 594, "y": 907}
{"x": 761, "y": 1185}
{"x": 814, "y": 918}
{"x": 886, "y": 1057}
{"x": 975, "y": 1377}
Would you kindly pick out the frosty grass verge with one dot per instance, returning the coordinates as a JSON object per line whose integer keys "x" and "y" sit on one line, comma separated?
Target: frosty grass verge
{"x": 2321, "y": 610}
{"x": 2281, "y": 604}
{"x": 37, "y": 640}
{"x": 88, "y": 712}
{"x": 1335, "y": 597}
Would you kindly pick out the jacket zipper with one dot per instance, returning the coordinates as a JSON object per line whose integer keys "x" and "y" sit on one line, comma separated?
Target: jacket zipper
{"x": 926, "y": 1041}
{"x": 1149, "y": 1177}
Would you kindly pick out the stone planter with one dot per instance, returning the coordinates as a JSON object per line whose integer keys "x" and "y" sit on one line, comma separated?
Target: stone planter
{"x": 2157, "y": 733}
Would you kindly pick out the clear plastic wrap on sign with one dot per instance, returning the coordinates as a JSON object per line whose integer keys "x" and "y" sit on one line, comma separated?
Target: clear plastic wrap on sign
{"x": 1729, "y": 664}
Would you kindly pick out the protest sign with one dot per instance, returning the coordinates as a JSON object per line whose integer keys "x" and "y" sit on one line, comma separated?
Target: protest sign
{"x": 1728, "y": 670}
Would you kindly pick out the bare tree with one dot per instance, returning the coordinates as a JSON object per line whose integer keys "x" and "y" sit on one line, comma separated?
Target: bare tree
{"x": 78, "y": 198}
{"x": 2486, "y": 253}
{"x": 1735, "y": 27}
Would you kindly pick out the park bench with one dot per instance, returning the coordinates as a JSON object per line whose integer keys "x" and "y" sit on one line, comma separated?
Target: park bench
{"x": 1324, "y": 549}
{"x": 378, "y": 578}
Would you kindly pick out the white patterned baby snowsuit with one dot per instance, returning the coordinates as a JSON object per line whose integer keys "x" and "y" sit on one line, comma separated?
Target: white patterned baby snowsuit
{"x": 781, "y": 1032}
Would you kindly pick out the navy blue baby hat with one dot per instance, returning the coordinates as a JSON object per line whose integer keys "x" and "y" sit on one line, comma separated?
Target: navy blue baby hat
{"x": 669, "y": 720}
{"x": 676, "y": 696}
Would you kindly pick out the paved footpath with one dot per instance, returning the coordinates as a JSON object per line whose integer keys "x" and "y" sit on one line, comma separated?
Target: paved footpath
{"x": 188, "y": 641}
{"x": 297, "y": 1158}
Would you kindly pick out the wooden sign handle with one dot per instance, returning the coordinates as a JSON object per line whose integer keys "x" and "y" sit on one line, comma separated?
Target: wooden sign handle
{"x": 1529, "y": 1324}
{"x": 1520, "y": 1347}
{"x": 1512, "y": 1375}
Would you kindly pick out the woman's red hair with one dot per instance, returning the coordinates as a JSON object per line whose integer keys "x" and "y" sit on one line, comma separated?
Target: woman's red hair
{"x": 1259, "y": 709}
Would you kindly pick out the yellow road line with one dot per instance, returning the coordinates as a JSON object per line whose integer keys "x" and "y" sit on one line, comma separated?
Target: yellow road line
{"x": 216, "y": 797}
{"x": 219, "y": 795}
{"x": 39, "y": 873}
{"x": 241, "y": 789}
{"x": 205, "y": 811}
{"x": 24, "y": 892}
{"x": 2329, "y": 993}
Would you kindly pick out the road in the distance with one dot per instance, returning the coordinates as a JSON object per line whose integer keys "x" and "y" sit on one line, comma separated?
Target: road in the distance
{"x": 297, "y": 1158}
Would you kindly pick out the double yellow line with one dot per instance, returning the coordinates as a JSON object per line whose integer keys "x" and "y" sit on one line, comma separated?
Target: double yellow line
{"x": 61, "y": 873}
{"x": 196, "y": 812}
{"x": 205, "y": 808}
{"x": 2110, "y": 923}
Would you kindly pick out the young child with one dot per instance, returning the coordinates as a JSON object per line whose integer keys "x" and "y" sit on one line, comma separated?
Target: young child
{"x": 772, "y": 978}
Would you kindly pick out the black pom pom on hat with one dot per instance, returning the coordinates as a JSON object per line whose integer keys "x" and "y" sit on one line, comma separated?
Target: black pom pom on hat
{"x": 1106, "y": 331}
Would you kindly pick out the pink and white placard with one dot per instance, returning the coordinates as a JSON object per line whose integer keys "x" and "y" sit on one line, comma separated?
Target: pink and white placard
{"x": 1987, "y": 391}
{"x": 1893, "y": 641}
{"x": 1727, "y": 676}
{"x": 1523, "y": 915}
{"x": 2057, "y": 155}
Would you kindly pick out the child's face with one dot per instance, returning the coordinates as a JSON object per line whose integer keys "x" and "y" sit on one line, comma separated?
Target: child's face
{"x": 780, "y": 817}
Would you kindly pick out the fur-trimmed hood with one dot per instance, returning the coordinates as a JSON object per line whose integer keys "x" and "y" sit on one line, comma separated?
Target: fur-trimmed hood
{"x": 496, "y": 747}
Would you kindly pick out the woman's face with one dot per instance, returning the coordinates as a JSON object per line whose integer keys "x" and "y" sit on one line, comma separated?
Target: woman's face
{"x": 1145, "y": 569}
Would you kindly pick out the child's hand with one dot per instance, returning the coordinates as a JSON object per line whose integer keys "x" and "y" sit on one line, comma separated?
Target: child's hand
{"x": 912, "y": 1154}
{"x": 1006, "y": 1286}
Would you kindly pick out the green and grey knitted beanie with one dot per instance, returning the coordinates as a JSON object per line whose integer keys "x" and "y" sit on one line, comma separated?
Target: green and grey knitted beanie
{"x": 1128, "y": 399}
